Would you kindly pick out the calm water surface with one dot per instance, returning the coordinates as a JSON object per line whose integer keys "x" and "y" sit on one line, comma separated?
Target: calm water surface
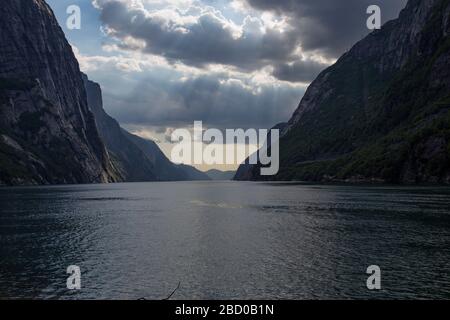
{"x": 224, "y": 240}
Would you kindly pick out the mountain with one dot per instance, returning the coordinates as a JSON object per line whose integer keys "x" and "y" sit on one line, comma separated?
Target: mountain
{"x": 47, "y": 132}
{"x": 131, "y": 162}
{"x": 192, "y": 173}
{"x": 220, "y": 175}
{"x": 136, "y": 159}
{"x": 166, "y": 170}
{"x": 381, "y": 112}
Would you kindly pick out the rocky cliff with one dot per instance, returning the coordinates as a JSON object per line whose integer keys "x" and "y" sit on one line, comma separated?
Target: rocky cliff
{"x": 382, "y": 112}
{"x": 136, "y": 159}
{"x": 165, "y": 169}
{"x": 47, "y": 132}
{"x": 132, "y": 163}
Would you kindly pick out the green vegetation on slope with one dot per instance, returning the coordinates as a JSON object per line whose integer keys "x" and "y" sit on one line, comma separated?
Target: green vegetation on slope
{"x": 390, "y": 126}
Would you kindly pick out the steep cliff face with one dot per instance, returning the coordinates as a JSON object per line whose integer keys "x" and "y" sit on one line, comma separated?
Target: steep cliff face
{"x": 381, "y": 113}
{"x": 132, "y": 163}
{"x": 137, "y": 159}
{"x": 47, "y": 133}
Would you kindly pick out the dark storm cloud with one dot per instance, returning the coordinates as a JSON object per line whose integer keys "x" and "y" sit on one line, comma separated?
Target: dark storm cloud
{"x": 207, "y": 40}
{"x": 178, "y": 98}
{"x": 328, "y": 25}
{"x": 217, "y": 102}
{"x": 299, "y": 71}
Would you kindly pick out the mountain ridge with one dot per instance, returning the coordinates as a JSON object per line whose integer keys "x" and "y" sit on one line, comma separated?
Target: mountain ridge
{"x": 53, "y": 128}
{"x": 137, "y": 159}
{"x": 381, "y": 112}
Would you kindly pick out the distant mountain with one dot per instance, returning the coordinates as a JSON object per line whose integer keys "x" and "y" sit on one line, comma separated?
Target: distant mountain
{"x": 47, "y": 133}
{"x": 165, "y": 169}
{"x": 246, "y": 170}
{"x": 132, "y": 163}
{"x": 220, "y": 175}
{"x": 136, "y": 159}
{"x": 193, "y": 173}
{"x": 382, "y": 112}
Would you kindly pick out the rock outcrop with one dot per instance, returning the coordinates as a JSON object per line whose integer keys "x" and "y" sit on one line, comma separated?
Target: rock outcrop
{"x": 53, "y": 128}
{"x": 47, "y": 132}
{"x": 381, "y": 113}
{"x": 132, "y": 163}
{"x": 137, "y": 159}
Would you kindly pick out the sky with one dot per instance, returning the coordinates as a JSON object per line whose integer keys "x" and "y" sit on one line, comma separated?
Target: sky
{"x": 163, "y": 64}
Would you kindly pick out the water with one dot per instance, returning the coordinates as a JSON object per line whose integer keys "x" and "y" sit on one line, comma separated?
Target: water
{"x": 224, "y": 240}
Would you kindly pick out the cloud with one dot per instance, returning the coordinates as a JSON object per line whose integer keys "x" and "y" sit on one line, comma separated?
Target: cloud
{"x": 164, "y": 64}
{"x": 149, "y": 92}
{"x": 328, "y": 26}
{"x": 217, "y": 101}
{"x": 197, "y": 33}
{"x": 197, "y": 37}
{"x": 200, "y": 35}
{"x": 299, "y": 71}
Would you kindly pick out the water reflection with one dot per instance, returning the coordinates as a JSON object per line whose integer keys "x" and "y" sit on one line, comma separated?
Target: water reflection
{"x": 224, "y": 240}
